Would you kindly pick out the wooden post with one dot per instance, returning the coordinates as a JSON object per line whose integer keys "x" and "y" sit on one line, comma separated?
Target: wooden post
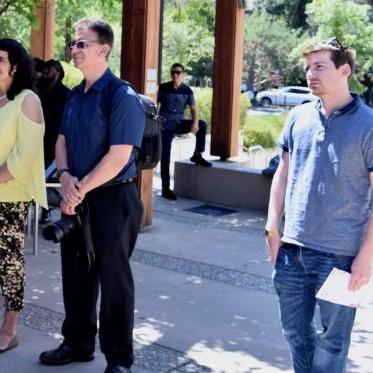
{"x": 139, "y": 65}
{"x": 42, "y": 37}
{"x": 229, "y": 30}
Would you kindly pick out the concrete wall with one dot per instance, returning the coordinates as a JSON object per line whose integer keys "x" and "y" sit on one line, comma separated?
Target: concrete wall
{"x": 226, "y": 183}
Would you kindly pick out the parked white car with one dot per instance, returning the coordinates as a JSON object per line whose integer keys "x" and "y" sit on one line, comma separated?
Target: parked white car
{"x": 287, "y": 96}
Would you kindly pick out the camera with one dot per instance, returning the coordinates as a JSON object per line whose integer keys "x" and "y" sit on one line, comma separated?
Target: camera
{"x": 58, "y": 230}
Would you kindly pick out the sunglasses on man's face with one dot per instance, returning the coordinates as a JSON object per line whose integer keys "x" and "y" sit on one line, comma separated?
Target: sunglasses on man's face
{"x": 81, "y": 44}
{"x": 177, "y": 72}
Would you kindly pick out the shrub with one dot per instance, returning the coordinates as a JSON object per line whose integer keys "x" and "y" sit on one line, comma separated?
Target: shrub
{"x": 203, "y": 98}
{"x": 255, "y": 137}
{"x": 263, "y": 130}
{"x": 244, "y": 107}
{"x": 73, "y": 76}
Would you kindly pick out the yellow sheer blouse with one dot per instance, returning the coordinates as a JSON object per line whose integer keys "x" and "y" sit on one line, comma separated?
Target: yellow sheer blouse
{"x": 21, "y": 148}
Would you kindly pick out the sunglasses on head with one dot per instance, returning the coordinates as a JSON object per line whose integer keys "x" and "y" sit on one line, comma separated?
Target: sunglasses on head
{"x": 81, "y": 44}
{"x": 336, "y": 43}
{"x": 178, "y": 72}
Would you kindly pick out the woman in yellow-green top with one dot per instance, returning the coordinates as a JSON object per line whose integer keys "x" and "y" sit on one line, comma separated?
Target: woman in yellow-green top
{"x": 21, "y": 175}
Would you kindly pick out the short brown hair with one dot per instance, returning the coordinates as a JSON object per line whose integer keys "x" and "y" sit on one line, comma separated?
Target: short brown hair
{"x": 105, "y": 34}
{"x": 339, "y": 53}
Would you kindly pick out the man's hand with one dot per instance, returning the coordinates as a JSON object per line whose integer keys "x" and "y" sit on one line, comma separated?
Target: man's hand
{"x": 67, "y": 209}
{"x": 361, "y": 270}
{"x": 273, "y": 246}
{"x": 70, "y": 189}
{"x": 194, "y": 128}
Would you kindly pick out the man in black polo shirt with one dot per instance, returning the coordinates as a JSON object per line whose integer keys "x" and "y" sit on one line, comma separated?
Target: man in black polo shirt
{"x": 173, "y": 98}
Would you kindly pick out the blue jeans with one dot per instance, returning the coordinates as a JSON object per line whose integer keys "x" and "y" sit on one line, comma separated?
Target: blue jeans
{"x": 298, "y": 275}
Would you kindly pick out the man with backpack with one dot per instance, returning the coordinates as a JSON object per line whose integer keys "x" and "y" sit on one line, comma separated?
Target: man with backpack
{"x": 173, "y": 98}
{"x": 97, "y": 166}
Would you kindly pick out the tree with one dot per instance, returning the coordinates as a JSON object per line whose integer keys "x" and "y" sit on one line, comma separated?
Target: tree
{"x": 293, "y": 11}
{"x": 268, "y": 42}
{"x": 350, "y": 24}
{"x": 16, "y": 16}
{"x": 188, "y": 36}
{"x": 69, "y": 11}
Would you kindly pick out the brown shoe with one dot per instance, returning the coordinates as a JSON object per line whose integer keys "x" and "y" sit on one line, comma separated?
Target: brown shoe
{"x": 13, "y": 343}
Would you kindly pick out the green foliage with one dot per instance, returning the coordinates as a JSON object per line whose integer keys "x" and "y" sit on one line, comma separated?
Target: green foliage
{"x": 350, "y": 24}
{"x": 293, "y": 11}
{"x": 70, "y": 11}
{"x": 263, "y": 130}
{"x": 73, "y": 76}
{"x": 255, "y": 137}
{"x": 244, "y": 107}
{"x": 204, "y": 104}
{"x": 198, "y": 12}
{"x": 268, "y": 42}
{"x": 188, "y": 36}
{"x": 16, "y": 16}
{"x": 203, "y": 97}
{"x": 183, "y": 46}
{"x": 19, "y": 7}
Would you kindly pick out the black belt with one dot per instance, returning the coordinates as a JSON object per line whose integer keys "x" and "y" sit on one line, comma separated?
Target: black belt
{"x": 117, "y": 182}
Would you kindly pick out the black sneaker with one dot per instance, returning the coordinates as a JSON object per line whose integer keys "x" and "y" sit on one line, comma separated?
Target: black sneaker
{"x": 169, "y": 194}
{"x": 199, "y": 160}
{"x": 45, "y": 217}
{"x": 64, "y": 355}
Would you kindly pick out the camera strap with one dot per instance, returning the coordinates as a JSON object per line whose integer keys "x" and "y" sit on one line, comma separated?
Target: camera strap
{"x": 87, "y": 234}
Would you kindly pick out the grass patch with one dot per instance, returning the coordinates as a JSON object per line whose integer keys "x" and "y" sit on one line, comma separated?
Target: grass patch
{"x": 263, "y": 130}
{"x": 203, "y": 98}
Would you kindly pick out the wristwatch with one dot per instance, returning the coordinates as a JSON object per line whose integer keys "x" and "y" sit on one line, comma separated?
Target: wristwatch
{"x": 270, "y": 232}
{"x": 60, "y": 172}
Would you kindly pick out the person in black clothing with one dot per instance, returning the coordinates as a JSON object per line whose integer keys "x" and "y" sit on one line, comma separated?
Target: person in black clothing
{"x": 53, "y": 96}
{"x": 173, "y": 98}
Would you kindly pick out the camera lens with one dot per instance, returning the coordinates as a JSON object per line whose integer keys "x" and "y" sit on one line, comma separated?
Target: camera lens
{"x": 57, "y": 231}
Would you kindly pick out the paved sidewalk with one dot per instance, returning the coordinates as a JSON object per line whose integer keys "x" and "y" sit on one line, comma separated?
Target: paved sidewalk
{"x": 204, "y": 300}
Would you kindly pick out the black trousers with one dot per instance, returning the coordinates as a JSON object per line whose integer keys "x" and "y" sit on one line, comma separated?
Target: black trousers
{"x": 115, "y": 217}
{"x": 169, "y": 131}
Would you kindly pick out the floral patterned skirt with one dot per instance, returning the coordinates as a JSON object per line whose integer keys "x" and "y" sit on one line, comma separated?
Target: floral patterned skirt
{"x": 13, "y": 218}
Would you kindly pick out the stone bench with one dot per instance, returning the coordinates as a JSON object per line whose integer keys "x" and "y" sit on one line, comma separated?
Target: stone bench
{"x": 226, "y": 183}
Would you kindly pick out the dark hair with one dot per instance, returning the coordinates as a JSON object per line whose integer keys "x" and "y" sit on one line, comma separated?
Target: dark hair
{"x": 178, "y": 65}
{"x": 339, "y": 53}
{"x": 39, "y": 65}
{"x": 105, "y": 34}
{"x": 21, "y": 66}
{"x": 57, "y": 65}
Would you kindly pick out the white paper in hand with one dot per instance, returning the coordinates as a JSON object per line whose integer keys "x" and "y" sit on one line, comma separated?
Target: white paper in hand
{"x": 335, "y": 290}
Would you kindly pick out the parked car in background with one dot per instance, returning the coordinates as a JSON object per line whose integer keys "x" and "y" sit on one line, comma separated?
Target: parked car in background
{"x": 287, "y": 96}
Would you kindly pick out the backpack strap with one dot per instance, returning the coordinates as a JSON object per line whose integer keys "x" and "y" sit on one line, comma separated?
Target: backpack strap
{"x": 108, "y": 95}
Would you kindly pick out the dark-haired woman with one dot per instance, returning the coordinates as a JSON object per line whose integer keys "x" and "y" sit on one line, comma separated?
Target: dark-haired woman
{"x": 21, "y": 175}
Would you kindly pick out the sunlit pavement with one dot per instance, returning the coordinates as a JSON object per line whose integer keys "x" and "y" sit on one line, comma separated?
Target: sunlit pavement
{"x": 204, "y": 300}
